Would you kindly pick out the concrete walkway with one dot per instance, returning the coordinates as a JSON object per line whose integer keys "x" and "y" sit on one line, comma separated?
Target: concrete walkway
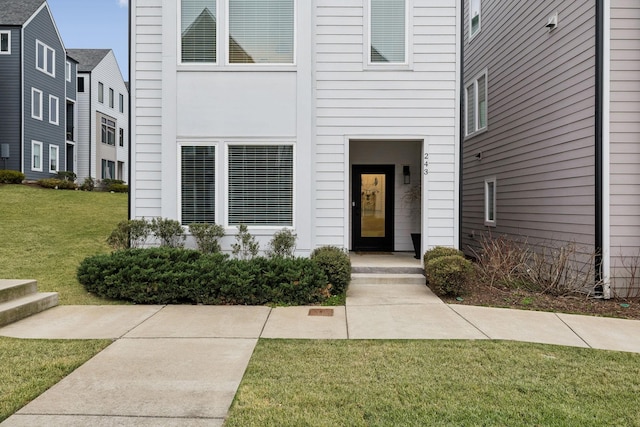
{"x": 181, "y": 365}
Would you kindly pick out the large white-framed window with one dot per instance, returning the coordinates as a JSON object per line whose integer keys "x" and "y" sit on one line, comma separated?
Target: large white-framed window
{"x": 5, "y": 42}
{"x": 36, "y": 156}
{"x": 198, "y": 183}
{"x": 475, "y": 17}
{"x": 260, "y": 184}
{"x": 388, "y": 35}
{"x": 260, "y": 31}
{"x": 490, "y": 202}
{"x": 108, "y": 131}
{"x": 45, "y": 59}
{"x": 54, "y": 108}
{"x": 476, "y": 102}
{"x": 101, "y": 92}
{"x": 199, "y": 31}
{"x": 36, "y": 103}
{"x": 108, "y": 169}
{"x": 67, "y": 71}
{"x": 53, "y": 158}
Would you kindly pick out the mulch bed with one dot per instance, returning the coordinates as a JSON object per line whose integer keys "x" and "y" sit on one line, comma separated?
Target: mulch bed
{"x": 484, "y": 295}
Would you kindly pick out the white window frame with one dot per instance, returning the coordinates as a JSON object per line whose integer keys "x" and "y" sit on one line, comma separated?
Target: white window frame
{"x": 218, "y": 31}
{"x": 472, "y": 34}
{"x": 36, "y": 93}
{"x": 101, "y": 92}
{"x": 473, "y": 86}
{"x": 45, "y": 60}
{"x": 408, "y": 41}
{"x": 67, "y": 71}
{"x": 217, "y": 175}
{"x": 259, "y": 64}
{"x": 54, "y": 100}
{"x": 112, "y": 96}
{"x": 52, "y": 149}
{"x": 490, "y": 205}
{"x": 227, "y": 183}
{"x": 37, "y": 144}
{"x": 121, "y": 103}
{"x": 8, "y": 51}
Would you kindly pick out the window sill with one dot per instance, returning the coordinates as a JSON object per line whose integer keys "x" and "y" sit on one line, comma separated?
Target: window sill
{"x": 476, "y": 133}
{"x": 236, "y": 68}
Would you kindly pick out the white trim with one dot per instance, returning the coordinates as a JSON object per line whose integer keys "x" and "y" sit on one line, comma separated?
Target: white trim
{"x": 68, "y": 71}
{"x": 472, "y": 35}
{"x": 53, "y": 148}
{"x": 45, "y": 60}
{"x": 606, "y": 149}
{"x": 57, "y": 110}
{"x": 408, "y": 40}
{"x": 101, "y": 92}
{"x": 474, "y": 82}
{"x": 216, "y": 147}
{"x": 33, "y": 103}
{"x": 8, "y": 51}
{"x": 490, "y": 222}
{"x": 33, "y": 145}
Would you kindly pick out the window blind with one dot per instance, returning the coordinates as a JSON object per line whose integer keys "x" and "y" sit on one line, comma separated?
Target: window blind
{"x": 388, "y": 31}
{"x": 199, "y": 26}
{"x": 198, "y": 173}
{"x": 261, "y": 31}
{"x": 261, "y": 185}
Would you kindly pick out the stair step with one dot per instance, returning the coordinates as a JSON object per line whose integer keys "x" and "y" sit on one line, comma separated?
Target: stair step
{"x": 12, "y": 289}
{"x": 387, "y": 279}
{"x": 387, "y": 270}
{"x": 25, "y": 306}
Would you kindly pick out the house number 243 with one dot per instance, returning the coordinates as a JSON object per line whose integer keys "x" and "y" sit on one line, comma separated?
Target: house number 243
{"x": 426, "y": 163}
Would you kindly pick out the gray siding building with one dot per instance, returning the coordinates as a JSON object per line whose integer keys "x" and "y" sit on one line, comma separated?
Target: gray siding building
{"x": 33, "y": 75}
{"x": 551, "y": 128}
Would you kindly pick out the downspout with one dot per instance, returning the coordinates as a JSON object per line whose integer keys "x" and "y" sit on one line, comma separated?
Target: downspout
{"x": 461, "y": 125}
{"x": 599, "y": 108}
{"x": 129, "y": 140}
{"x": 90, "y": 124}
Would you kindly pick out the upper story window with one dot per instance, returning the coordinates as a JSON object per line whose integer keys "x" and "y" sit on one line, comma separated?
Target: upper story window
{"x": 121, "y": 103}
{"x": 387, "y": 31}
{"x": 261, "y": 31}
{"x": 474, "y": 17}
{"x": 5, "y": 42}
{"x": 258, "y": 31}
{"x": 100, "y": 92}
{"x": 476, "y": 102}
{"x": 111, "y": 98}
{"x": 45, "y": 59}
{"x": 54, "y": 108}
{"x": 108, "y": 134}
{"x": 67, "y": 71}
{"x": 36, "y": 104}
{"x": 80, "y": 84}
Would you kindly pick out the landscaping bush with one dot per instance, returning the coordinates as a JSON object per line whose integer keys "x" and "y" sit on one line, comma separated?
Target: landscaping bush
{"x": 66, "y": 176}
{"x": 58, "y": 184}
{"x": 336, "y": 265}
{"x": 11, "y": 177}
{"x": 171, "y": 275}
{"x": 440, "y": 251}
{"x": 168, "y": 231}
{"x": 207, "y": 236}
{"x": 131, "y": 233}
{"x": 117, "y": 188}
{"x": 449, "y": 275}
{"x": 245, "y": 246}
{"x": 283, "y": 244}
{"x": 88, "y": 185}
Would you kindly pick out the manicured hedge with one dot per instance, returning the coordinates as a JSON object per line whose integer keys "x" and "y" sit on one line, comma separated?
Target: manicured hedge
{"x": 11, "y": 177}
{"x": 175, "y": 276}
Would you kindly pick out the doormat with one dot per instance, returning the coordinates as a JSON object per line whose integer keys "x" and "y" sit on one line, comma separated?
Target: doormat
{"x": 326, "y": 312}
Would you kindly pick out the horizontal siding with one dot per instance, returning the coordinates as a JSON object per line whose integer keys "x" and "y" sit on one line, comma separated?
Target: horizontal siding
{"x": 11, "y": 101}
{"x": 352, "y": 100}
{"x": 539, "y": 142}
{"x": 146, "y": 103}
{"x": 624, "y": 138}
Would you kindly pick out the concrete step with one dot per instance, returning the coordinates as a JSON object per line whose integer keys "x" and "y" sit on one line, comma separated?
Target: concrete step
{"x": 25, "y": 306}
{"x": 387, "y": 270}
{"x": 387, "y": 279}
{"x": 12, "y": 289}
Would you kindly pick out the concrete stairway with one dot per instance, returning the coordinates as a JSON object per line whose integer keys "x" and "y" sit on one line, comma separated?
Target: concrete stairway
{"x": 20, "y": 299}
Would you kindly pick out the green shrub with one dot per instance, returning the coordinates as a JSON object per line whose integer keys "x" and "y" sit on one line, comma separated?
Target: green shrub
{"x": 107, "y": 182}
{"x": 66, "y": 176}
{"x": 449, "y": 275}
{"x": 437, "y": 252}
{"x": 168, "y": 231}
{"x": 245, "y": 246}
{"x": 207, "y": 236}
{"x": 171, "y": 275}
{"x": 336, "y": 265}
{"x": 117, "y": 188}
{"x": 88, "y": 185}
{"x": 283, "y": 244}
{"x": 11, "y": 177}
{"x": 131, "y": 233}
{"x": 58, "y": 184}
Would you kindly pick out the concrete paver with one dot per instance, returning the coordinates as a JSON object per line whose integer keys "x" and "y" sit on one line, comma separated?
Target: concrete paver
{"x": 81, "y": 322}
{"x": 185, "y": 321}
{"x": 605, "y": 333}
{"x": 404, "y": 294}
{"x": 19, "y": 420}
{"x": 295, "y": 322}
{"x": 520, "y": 325}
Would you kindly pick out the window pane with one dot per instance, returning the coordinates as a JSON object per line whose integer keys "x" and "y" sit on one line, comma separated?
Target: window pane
{"x": 388, "y": 31}
{"x": 80, "y": 84}
{"x": 261, "y": 31}
{"x": 261, "y": 185}
{"x": 482, "y": 102}
{"x": 53, "y": 158}
{"x": 198, "y": 172}
{"x": 4, "y": 42}
{"x": 474, "y": 15}
{"x": 490, "y": 201}
{"x": 40, "y": 56}
{"x": 51, "y": 62}
{"x": 199, "y": 30}
{"x": 37, "y": 156}
{"x": 100, "y": 92}
{"x": 471, "y": 112}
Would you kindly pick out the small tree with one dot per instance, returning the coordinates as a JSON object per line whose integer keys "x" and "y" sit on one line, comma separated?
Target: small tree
{"x": 283, "y": 244}
{"x": 207, "y": 236}
{"x": 131, "y": 233}
{"x": 169, "y": 231}
{"x": 246, "y": 246}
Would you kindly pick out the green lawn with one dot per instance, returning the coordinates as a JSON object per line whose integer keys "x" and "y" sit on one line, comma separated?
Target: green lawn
{"x": 46, "y": 233}
{"x": 435, "y": 383}
{"x": 29, "y": 367}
